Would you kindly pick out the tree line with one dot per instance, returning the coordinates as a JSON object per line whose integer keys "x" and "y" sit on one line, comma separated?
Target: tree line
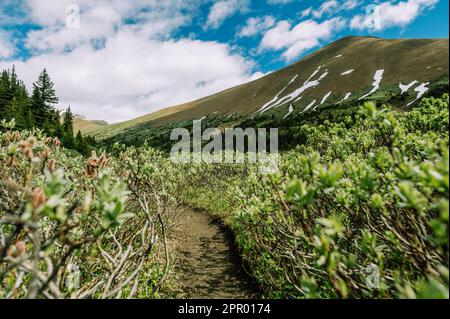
{"x": 38, "y": 110}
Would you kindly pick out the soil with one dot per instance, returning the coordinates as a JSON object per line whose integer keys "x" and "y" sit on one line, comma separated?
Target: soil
{"x": 206, "y": 265}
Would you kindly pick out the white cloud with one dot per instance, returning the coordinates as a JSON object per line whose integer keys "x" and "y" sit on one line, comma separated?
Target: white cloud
{"x": 389, "y": 14}
{"x": 256, "y": 25}
{"x": 330, "y": 7}
{"x": 351, "y": 4}
{"x": 132, "y": 76}
{"x": 102, "y": 18}
{"x": 6, "y": 47}
{"x": 326, "y": 7}
{"x": 296, "y": 39}
{"x": 224, "y": 9}
{"x": 279, "y": 1}
{"x": 138, "y": 68}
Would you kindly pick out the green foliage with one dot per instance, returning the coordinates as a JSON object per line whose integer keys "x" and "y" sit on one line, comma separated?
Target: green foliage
{"x": 369, "y": 193}
{"x": 77, "y": 228}
{"x": 359, "y": 209}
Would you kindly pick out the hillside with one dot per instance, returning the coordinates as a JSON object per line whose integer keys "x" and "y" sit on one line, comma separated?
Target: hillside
{"x": 345, "y": 71}
{"x": 86, "y": 126}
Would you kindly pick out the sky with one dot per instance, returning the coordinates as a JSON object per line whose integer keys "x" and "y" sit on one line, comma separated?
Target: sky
{"x": 115, "y": 60}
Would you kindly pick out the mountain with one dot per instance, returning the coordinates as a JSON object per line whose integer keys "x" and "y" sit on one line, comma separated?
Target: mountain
{"x": 86, "y": 126}
{"x": 343, "y": 73}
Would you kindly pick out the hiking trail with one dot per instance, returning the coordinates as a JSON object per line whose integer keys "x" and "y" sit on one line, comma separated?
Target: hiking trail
{"x": 206, "y": 265}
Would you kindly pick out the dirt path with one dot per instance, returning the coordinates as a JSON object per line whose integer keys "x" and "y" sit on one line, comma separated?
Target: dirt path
{"x": 205, "y": 264}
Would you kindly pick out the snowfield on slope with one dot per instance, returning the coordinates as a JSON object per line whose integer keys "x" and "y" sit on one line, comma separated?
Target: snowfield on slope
{"x": 310, "y": 105}
{"x": 421, "y": 90}
{"x": 309, "y": 83}
{"x": 346, "y": 97}
{"x": 376, "y": 84}
{"x": 348, "y": 72}
{"x": 405, "y": 88}
{"x": 276, "y": 98}
{"x": 291, "y": 109}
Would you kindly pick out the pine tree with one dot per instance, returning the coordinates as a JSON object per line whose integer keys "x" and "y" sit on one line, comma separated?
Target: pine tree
{"x": 38, "y": 110}
{"x": 68, "y": 122}
{"x": 13, "y": 111}
{"x": 59, "y": 131}
{"x": 5, "y": 91}
{"x": 82, "y": 145}
{"x": 14, "y": 82}
{"x": 43, "y": 100}
{"x": 29, "y": 119}
{"x": 68, "y": 138}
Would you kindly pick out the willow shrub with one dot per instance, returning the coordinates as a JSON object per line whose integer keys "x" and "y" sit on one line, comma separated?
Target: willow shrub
{"x": 360, "y": 210}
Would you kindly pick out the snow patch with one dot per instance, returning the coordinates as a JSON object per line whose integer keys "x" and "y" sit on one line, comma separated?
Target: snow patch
{"x": 338, "y": 56}
{"x": 294, "y": 95}
{"x": 346, "y": 97}
{"x": 376, "y": 84}
{"x": 297, "y": 99}
{"x": 348, "y": 72}
{"x": 291, "y": 109}
{"x": 313, "y": 75}
{"x": 310, "y": 105}
{"x": 406, "y": 87}
{"x": 325, "y": 98}
{"x": 275, "y": 99}
{"x": 421, "y": 90}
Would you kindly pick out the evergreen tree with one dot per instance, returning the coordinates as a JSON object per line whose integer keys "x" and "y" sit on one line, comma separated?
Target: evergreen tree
{"x": 29, "y": 119}
{"x": 5, "y": 91}
{"x": 82, "y": 145}
{"x": 14, "y": 83}
{"x": 68, "y": 138}
{"x": 59, "y": 131}
{"x": 68, "y": 122}
{"x": 43, "y": 100}
{"x": 38, "y": 110}
{"x": 13, "y": 111}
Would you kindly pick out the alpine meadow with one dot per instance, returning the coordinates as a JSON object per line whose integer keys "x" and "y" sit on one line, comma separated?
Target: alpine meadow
{"x": 226, "y": 149}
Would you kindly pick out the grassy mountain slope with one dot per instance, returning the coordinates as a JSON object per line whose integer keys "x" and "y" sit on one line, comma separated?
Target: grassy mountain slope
{"x": 86, "y": 126}
{"x": 403, "y": 61}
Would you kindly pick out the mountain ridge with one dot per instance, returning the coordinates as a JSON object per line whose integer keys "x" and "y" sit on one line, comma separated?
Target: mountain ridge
{"x": 348, "y": 68}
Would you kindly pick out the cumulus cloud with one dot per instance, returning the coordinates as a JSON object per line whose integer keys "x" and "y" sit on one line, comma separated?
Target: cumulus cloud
{"x": 326, "y": 7}
{"x": 6, "y": 46}
{"x": 330, "y": 7}
{"x": 389, "y": 14}
{"x": 351, "y": 4}
{"x": 221, "y": 10}
{"x": 102, "y": 18}
{"x": 295, "y": 40}
{"x": 256, "y": 25}
{"x": 279, "y": 1}
{"x": 115, "y": 70}
{"x": 132, "y": 76}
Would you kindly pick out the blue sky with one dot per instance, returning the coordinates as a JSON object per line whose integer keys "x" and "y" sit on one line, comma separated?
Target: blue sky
{"x": 117, "y": 59}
